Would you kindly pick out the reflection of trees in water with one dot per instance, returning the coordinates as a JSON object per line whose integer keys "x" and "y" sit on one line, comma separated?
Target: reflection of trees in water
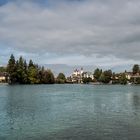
{"x": 25, "y": 109}
{"x": 136, "y": 101}
{"x": 20, "y": 108}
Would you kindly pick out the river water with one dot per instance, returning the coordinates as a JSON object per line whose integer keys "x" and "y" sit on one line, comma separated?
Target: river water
{"x": 69, "y": 112}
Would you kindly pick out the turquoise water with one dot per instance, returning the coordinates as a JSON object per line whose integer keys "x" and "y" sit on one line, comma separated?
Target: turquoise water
{"x": 69, "y": 112}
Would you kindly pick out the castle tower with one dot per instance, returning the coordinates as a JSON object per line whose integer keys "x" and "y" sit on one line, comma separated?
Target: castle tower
{"x": 82, "y": 71}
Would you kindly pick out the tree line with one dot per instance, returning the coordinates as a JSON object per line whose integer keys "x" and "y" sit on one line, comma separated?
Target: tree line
{"x": 108, "y": 76}
{"x": 21, "y": 72}
{"x": 100, "y": 76}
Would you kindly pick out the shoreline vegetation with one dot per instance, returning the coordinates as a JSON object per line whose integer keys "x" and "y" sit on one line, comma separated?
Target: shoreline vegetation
{"x": 21, "y": 72}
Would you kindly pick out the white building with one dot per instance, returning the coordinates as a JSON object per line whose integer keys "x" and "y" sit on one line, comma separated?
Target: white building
{"x": 128, "y": 75}
{"x": 2, "y": 77}
{"x": 88, "y": 75}
{"x": 77, "y": 72}
{"x": 77, "y": 75}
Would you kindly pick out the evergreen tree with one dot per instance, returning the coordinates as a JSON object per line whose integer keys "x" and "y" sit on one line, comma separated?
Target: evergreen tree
{"x": 32, "y": 75}
{"x": 11, "y": 69}
{"x": 20, "y": 70}
{"x": 41, "y": 75}
{"x": 31, "y": 64}
{"x": 25, "y": 67}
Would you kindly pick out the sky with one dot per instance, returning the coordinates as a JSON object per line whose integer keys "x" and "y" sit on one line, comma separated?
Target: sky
{"x": 96, "y": 33}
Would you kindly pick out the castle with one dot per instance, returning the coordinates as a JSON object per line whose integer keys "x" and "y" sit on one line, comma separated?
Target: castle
{"x": 78, "y": 75}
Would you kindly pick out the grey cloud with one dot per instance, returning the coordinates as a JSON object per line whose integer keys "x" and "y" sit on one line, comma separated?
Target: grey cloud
{"x": 86, "y": 28}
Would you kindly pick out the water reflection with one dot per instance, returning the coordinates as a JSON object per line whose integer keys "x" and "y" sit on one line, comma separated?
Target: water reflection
{"x": 136, "y": 101}
{"x": 134, "y": 98}
{"x": 77, "y": 112}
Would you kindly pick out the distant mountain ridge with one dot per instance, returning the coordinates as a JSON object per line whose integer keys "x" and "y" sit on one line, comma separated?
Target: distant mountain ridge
{"x": 68, "y": 69}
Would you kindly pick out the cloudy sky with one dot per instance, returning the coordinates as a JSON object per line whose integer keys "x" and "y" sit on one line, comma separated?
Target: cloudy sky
{"x": 103, "y": 33}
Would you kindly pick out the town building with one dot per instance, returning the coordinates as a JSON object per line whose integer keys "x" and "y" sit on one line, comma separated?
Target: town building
{"x": 128, "y": 75}
{"x": 2, "y": 77}
{"x": 88, "y": 75}
{"x": 77, "y": 76}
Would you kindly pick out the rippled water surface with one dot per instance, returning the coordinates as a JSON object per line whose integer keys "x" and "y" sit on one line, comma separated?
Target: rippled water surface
{"x": 69, "y": 112}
